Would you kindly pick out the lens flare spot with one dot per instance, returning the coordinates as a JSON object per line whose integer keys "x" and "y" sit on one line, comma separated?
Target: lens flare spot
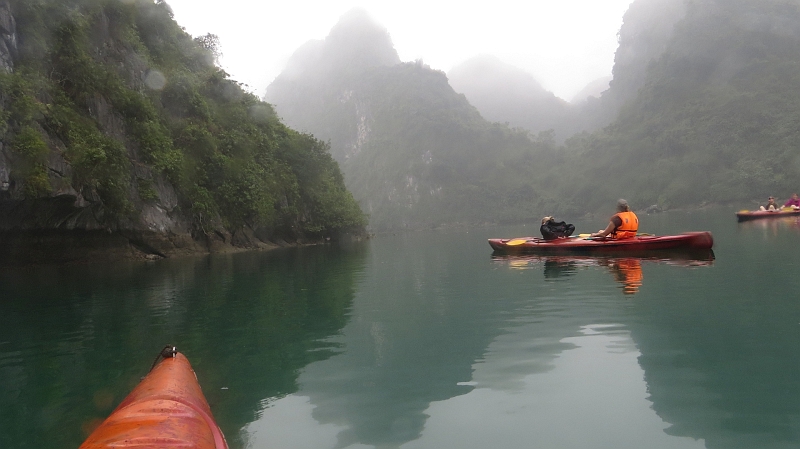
{"x": 155, "y": 80}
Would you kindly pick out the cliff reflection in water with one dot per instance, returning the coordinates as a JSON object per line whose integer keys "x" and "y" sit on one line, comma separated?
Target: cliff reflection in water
{"x": 721, "y": 360}
{"x": 420, "y": 319}
{"x": 420, "y": 341}
{"x": 435, "y": 326}
{"x": 627, "y": 271}
{"x": 74, "y": 341}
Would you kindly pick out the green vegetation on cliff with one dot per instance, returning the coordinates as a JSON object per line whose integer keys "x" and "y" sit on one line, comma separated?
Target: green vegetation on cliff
{"x": 716, "y": 120}
{"x": 126, "y": 98}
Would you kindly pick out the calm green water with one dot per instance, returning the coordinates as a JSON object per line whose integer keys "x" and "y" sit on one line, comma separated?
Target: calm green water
{"x": 425, "y": 340}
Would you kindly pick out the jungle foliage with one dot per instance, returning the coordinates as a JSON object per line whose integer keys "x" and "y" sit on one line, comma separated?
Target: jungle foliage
{"x": 717, "y": 119}
{"x": 116, "y": 86}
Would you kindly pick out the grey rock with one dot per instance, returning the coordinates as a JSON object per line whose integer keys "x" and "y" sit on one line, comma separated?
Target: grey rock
{"x": 8, "y": 37}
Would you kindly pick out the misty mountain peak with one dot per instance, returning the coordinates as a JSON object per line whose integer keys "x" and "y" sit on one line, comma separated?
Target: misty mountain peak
{"x": 356, "y": 42}
{"x": 357, "y": 39}
{"x": 505, "y": 93}
{"x": 487, "y": 72}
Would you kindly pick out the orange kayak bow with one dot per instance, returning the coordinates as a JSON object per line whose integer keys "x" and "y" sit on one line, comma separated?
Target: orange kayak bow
{"x": 166, "y": 410}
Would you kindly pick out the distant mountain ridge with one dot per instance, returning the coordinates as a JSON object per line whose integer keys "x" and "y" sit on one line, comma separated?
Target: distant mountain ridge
{"x": 410, "y": 147}
{"x": 700, "y": 109}
{"x": 593, "y": 89}
{"x": 504, "y": 93}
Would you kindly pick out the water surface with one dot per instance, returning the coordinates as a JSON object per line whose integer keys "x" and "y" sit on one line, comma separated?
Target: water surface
{"x": 424, "y": 340}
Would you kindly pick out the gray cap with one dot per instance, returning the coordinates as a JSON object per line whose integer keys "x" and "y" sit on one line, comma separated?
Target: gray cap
{"x": 622, "y": 205}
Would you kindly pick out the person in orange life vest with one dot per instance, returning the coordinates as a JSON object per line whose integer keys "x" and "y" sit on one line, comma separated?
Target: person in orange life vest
{"x": 623, "y": 225}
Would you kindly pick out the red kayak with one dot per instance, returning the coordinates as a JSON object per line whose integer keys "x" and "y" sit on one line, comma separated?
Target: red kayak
{"x": 639, "y": 244}
{"x": 166, "y": 410}
{"x": 746, "y": 215}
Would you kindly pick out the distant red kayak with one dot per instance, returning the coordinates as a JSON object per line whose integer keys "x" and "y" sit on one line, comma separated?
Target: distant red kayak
{"x": 639, "y": 244}
{"x": 166, "y": 410}
{"x": 747, "y": 215}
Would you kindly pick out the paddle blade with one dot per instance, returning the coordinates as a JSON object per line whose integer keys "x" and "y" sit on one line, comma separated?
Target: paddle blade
{"x": 744, "y": 211}
{"x": 583, "y": 236}
{"x": 515, "y": 242}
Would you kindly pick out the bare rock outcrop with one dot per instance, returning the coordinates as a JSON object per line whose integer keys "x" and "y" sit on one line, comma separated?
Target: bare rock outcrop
{"x": 8, "y": 37}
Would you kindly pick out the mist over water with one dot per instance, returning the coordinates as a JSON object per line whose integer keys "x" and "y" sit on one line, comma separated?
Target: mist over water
{"x": 426, "y": 340}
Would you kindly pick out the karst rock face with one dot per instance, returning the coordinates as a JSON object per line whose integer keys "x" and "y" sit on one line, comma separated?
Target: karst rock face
{"x": 121, "y": 138}
{"x": 69, "y": 222}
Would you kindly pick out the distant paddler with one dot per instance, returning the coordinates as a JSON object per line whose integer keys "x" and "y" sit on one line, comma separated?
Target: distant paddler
{"x": 793, "y": 202}
{"x": 623, "y": 225}
{"x": 771, "y": 205}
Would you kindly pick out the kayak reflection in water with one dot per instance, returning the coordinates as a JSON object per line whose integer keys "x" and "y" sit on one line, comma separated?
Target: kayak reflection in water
{"x": 556, "y": 268}
{"x": 628, "y": 272}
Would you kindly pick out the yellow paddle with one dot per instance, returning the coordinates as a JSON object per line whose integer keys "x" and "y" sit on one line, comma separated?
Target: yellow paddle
{"x": 515, "y": 242}
{"x": 643, "y": 234}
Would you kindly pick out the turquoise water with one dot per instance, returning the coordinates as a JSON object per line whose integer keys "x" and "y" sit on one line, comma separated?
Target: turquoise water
{"x": 425, "y": 340}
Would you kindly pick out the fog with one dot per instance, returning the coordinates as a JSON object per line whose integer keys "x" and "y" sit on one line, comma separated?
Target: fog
{"x": 565, "y": 45}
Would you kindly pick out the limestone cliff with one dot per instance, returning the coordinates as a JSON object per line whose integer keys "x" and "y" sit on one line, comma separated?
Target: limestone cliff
{"x": 120, "y": 138}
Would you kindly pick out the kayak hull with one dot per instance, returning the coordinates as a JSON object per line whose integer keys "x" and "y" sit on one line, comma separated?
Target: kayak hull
{"x": 761, "y": 214}
{"x": 166, "y": 409}
{"x": 690, "y": 241}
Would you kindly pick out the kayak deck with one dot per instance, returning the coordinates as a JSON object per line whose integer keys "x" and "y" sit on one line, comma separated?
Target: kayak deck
{"x": 686, "y": 241}
{"x": 166, "y": 409}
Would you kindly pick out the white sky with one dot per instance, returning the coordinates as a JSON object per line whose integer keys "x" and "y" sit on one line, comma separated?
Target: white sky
{"x": 565, "y": 44}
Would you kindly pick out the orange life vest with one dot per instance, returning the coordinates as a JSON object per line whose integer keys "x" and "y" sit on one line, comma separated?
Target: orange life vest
{"x": 629, "y": 226}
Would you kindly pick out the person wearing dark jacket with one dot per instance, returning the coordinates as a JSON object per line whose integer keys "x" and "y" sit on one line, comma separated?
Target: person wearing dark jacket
{"x": 552, "y": 229}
